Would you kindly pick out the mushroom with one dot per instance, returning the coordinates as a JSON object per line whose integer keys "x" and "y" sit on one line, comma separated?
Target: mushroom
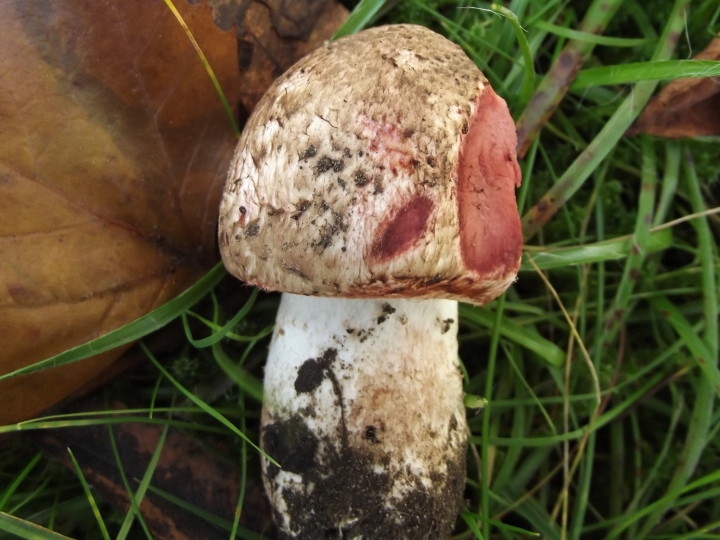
{"x": 374, "y": 185}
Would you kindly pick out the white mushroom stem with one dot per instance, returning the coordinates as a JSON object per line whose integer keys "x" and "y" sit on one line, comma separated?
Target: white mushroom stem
{"x": 364, "y": 412}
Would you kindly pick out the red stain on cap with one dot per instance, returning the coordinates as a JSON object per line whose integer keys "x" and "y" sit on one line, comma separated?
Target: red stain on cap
{"x": 401, "y": 231}
{"x": 488, "y": 172}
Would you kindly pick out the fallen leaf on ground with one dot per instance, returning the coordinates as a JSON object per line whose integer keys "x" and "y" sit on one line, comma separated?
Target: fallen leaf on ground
{"x": 113, "y": 151}
{"x": 685, "y": 107}
{"x": 298, "y": 27}
{"x": 186, "y": 470}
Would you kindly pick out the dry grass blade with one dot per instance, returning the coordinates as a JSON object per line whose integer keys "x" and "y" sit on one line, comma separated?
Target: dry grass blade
{"x": 563, "y": 70}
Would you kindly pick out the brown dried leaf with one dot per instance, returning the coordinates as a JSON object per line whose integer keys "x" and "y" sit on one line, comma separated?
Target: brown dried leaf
{"x": 185, "y": 469}
{"x": 263, "y": 56}
{"x": 113, "y": 153}
{"x": 685, "y": 107}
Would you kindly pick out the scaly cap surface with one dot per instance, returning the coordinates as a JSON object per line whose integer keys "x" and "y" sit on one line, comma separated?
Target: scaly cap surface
{"x": 382, "y": 164}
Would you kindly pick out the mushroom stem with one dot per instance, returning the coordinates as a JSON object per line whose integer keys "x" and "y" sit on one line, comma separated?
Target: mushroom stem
{"x": 364, "y": 412}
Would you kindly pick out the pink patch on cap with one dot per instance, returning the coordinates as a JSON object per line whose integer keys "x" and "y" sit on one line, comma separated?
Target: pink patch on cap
{"x": 390, "y": 144}
{"x": 488, "y": 172}
{"x": 401, "y": 231}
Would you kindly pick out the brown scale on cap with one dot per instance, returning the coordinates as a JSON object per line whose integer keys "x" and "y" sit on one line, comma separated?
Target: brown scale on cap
{"x": 403, "y": 160}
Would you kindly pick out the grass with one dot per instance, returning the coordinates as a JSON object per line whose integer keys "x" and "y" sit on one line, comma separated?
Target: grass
{"x": 599, "y": 366}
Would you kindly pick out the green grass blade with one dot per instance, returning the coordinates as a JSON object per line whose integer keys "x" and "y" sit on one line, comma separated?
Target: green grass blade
{"x": 708, "y": 257}
{"x": 653, "y": 476}
{"x": 137, "y": 497}
{"x": 191, "y": 508}
{"x": 532, "y": 511}
{"x": 133, "y": 331}
{"x": 700, "y": 353}
{"x": 529, "y": 81}
{"x": 554, "y": 85}
{"x": 509, "y": 329}
{"x": 204, "y": 406}
{"x": 536, "y": 401}
{"x": 361, "y": 16}
{"x": 621, "y": 306}
{"x": 41, "y": 424}
{"x": 500, "y": 525}
{"x": 27, "y": 529}
{"x": 587, "y": 37}
{"x": 581, "y": 169}
{"x": 90, "y": 498}
{"x": 472, "y": 524}
{"x": 660, "y": 503}
{"x": 222, "y": 331}
{"x": 645, "y": 71}
{"x": 583, "y": 490}
{"x": 18, "y": 480}
{"x": 40, "y": 489}
{"x": 670, "y": 181}
{"x": 132, "y": 513}
{"x": 706, "y": 388}
{"x": 701, "y": 532}
{"x": 604, "y": 419}
{"x": 489, "y": 382}
{"x": 507, "y": 469}
{"x": 250, "y": 384}
{"x": 609, "y": 250}
{"x": 145, "y": 482}
{"x": 234, "y": 371}
{"x": 243, "y": 476}
{"x": 242, "y": 532}
{"x": 229, "y": 335}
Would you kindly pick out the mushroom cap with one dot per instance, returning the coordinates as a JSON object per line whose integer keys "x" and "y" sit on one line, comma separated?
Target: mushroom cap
{"x": 382, "y": 164}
